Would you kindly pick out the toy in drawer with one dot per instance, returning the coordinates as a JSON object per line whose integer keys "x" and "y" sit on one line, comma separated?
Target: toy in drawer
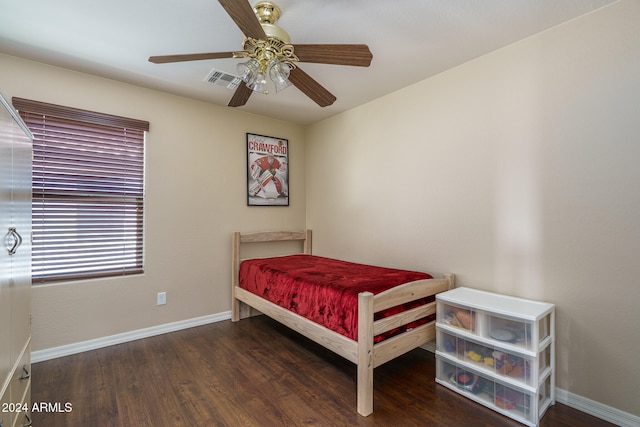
{"x": 492, "y": 359}
{"x": 516, "y": 403}
{"x": 457, "y": 316}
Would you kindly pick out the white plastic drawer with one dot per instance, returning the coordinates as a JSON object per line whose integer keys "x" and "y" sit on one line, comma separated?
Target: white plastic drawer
{"x": 490, "y": 359}
{"x": 511, "y": 401}
{"x": 511, "y": 331}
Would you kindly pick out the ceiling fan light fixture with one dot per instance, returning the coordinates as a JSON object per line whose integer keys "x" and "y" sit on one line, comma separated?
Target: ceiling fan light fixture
{"x": 279, "y": 74}
{"x": 248, "y": 70}
{"x": 258, "y": 83}
{"x": 254, "y": 73}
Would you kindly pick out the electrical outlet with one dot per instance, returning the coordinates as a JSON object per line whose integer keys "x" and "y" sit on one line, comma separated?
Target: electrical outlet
{"x": 162, "y": 298}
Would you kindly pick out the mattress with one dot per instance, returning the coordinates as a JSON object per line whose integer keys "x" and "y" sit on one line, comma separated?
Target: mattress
{"x": 325, "y": 290}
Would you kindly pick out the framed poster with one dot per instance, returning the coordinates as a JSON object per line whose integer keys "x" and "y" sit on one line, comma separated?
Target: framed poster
{"x": 267, "y": 171}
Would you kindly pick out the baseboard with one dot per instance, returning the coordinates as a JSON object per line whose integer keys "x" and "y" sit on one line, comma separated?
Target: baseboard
{"x": 429, "y": 346}
{"x": 588, "y": 406}
{"x": 66, "y": 350}
{"x": 599, "y": 410}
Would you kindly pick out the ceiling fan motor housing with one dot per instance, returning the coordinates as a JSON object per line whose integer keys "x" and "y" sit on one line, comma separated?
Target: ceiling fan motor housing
{"x": 268, "y": 13}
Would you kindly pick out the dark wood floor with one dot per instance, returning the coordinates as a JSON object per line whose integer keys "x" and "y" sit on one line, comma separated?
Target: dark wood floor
{"x": 251, "y": 373}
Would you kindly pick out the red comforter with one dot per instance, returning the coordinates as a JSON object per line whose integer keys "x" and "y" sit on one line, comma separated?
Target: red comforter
{"x": 323, "y": 290}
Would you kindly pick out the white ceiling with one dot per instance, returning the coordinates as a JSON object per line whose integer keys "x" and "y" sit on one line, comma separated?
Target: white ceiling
{"x": 410, "y": 40}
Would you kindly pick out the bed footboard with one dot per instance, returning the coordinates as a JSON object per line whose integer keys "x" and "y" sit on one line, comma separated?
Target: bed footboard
{"x": 372, "y": 355}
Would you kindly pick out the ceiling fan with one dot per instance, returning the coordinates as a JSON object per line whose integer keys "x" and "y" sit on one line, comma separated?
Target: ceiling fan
{"x": 270, "y": 53}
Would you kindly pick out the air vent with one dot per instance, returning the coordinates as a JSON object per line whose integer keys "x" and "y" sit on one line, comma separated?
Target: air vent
{"x": 221, "y": 78}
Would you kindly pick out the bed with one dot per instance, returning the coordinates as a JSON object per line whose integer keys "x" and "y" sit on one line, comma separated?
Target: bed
{"x": 385, "y": 322}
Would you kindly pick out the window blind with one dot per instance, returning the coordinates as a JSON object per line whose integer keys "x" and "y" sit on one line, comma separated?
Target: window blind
{"x": 88, "y": 192}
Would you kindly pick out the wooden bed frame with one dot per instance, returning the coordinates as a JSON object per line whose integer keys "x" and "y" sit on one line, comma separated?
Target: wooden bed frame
{"x": 366, "y": 354}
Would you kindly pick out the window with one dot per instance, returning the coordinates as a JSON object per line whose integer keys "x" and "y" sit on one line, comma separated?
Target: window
{"x": 88, "y": 192}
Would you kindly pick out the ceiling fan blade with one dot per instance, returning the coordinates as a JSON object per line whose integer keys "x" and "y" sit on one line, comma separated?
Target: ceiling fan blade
{"x": 240, "y": 96}
{"x": 311, "y": 88}
{"x": 340, "y": 54}
{"x": 189, "y": 57}
{"x": 245, "y": 18}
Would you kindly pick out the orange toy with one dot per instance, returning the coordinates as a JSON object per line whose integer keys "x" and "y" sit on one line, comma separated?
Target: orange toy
{"x": 465, "y": 318}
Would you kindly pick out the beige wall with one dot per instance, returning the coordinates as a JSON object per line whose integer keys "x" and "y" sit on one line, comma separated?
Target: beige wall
{"x": 517, "y": 171}
{"x": 195, "y": 198}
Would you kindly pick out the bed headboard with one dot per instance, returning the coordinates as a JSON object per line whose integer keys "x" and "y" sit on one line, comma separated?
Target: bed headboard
{"x": 275, "y": 236}
{"x": 263, "y": 237}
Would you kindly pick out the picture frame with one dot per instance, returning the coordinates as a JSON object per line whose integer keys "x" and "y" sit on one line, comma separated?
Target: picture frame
{"x": 267, "y": 170}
